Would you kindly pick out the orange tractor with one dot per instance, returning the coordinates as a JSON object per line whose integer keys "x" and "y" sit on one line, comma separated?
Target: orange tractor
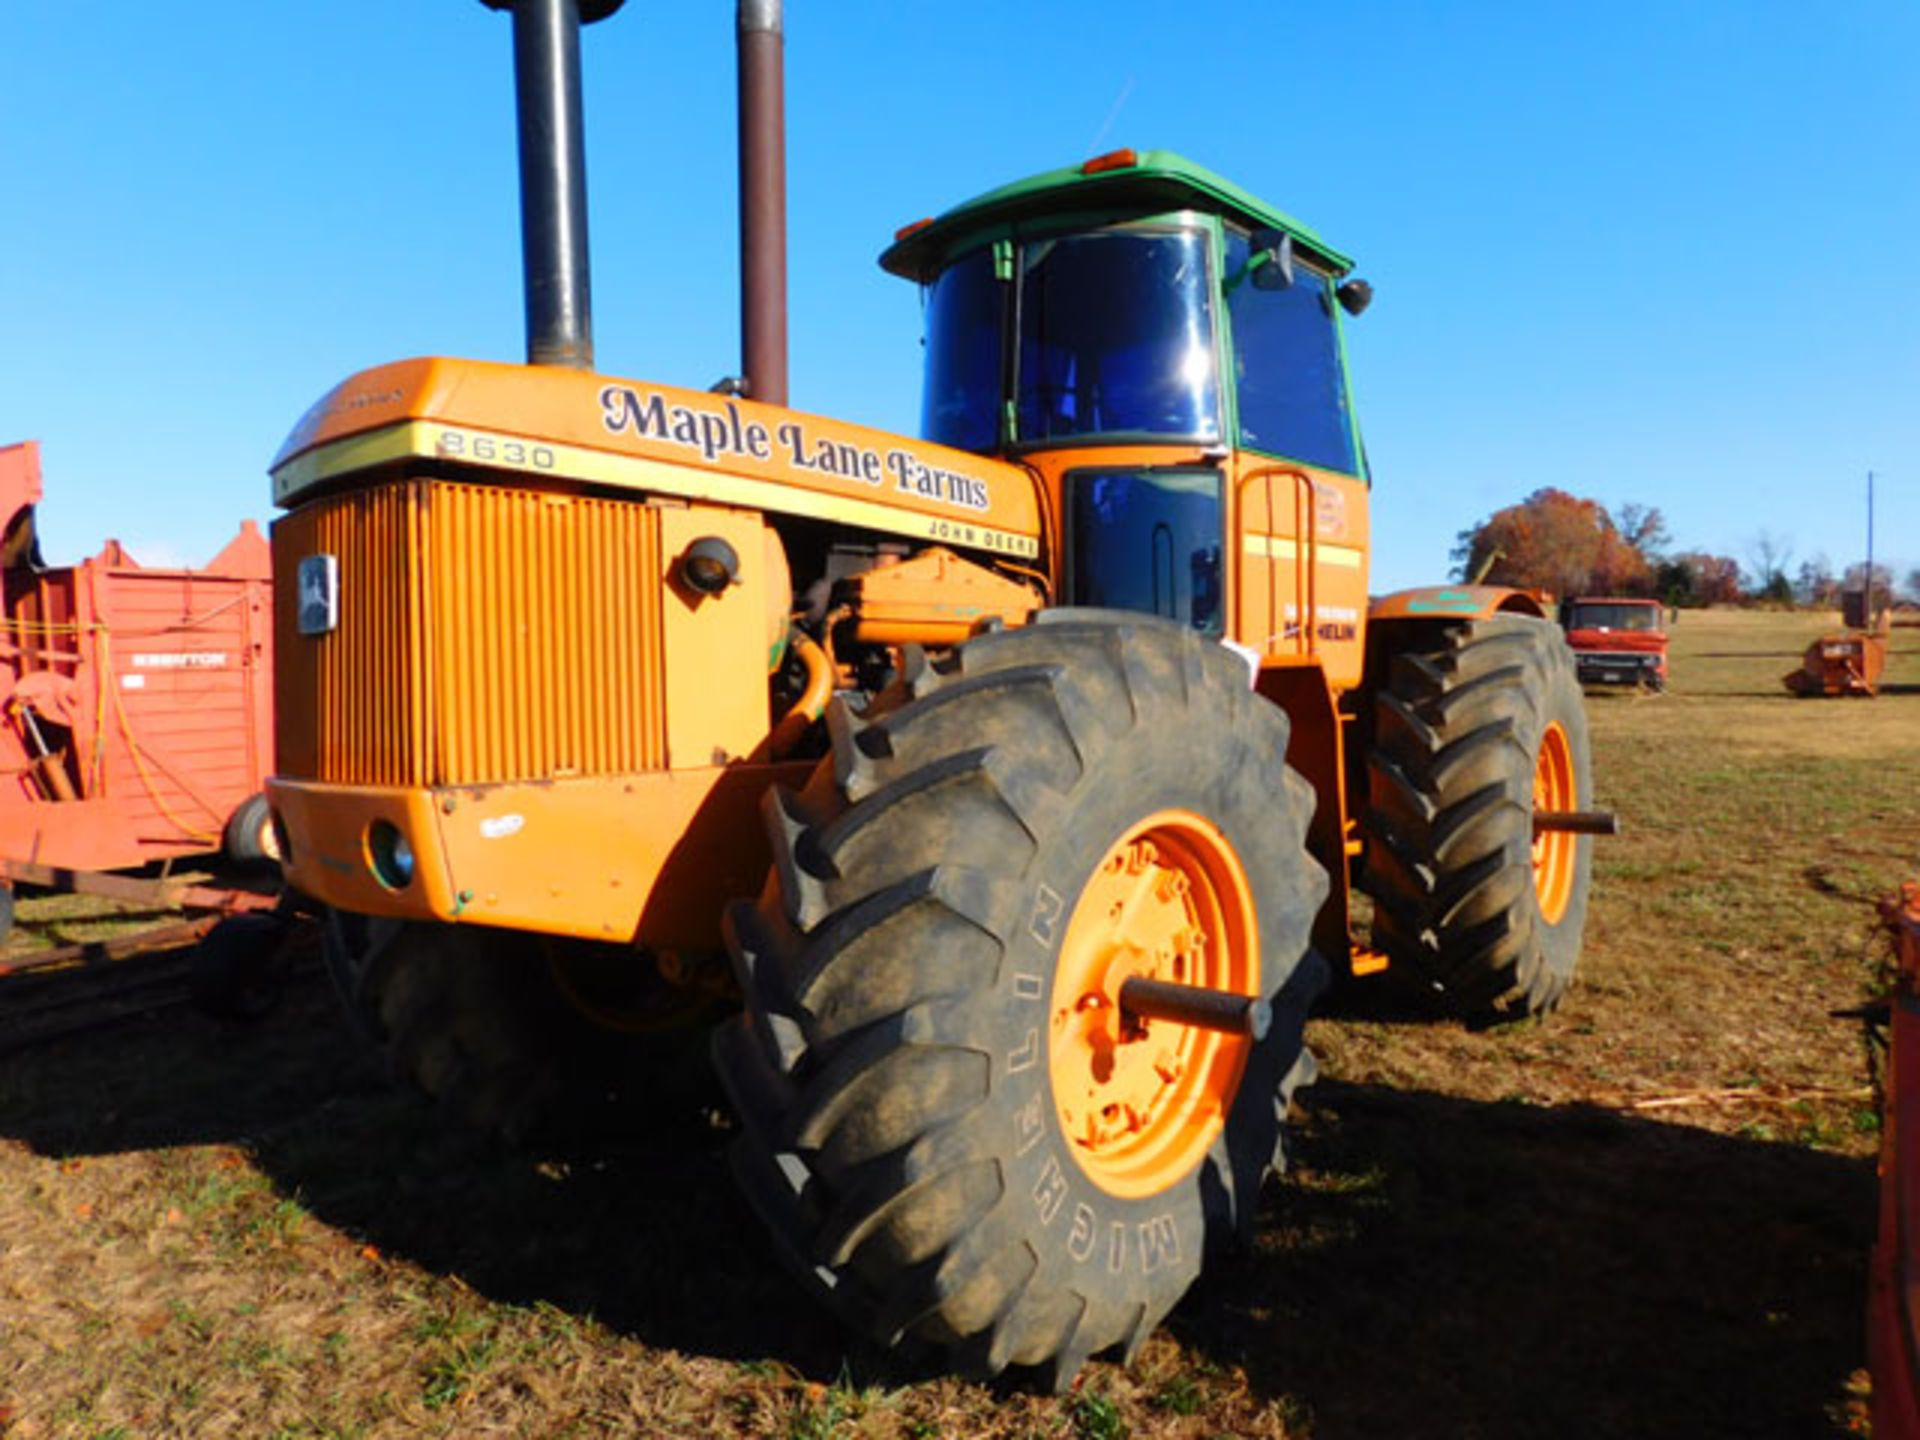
{"x": 1005, "y": 789}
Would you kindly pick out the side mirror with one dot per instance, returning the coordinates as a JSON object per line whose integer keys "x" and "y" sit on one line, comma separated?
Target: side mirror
{"x": 1272, "y": 260}
{"x": 1355, "y": 296}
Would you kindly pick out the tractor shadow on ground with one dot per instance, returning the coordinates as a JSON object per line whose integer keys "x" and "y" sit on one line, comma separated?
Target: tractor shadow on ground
{"x": 1392, "y": 998}
{"x": 1437, "y": 1267}
{"x": 1442, "y": 1267}
{"x": 648, "y": 1235}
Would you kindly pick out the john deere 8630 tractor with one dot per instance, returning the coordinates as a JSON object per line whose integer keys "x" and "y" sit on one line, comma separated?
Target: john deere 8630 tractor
{"x": 1003, "y": 789}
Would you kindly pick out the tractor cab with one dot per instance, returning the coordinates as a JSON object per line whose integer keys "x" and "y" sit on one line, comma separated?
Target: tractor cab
{"x": 1165, "y": 350}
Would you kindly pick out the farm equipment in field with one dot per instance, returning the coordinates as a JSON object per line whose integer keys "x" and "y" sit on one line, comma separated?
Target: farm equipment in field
{"x": 1844, "y": 664}
{"x": 135, "y": 707}
{"x": 1009, "y": 785}
{"x": 1851, "y": 662}
{"x": 1616, "y": 641}
{"x": 1893, "y": 1309}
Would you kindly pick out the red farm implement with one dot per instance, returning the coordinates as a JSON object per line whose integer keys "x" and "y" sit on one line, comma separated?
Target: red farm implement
{"x": 1848, "y": 664}
{"x": 135, "y": 709}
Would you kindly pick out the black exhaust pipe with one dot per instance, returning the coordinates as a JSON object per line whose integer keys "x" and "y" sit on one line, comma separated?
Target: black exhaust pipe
{"x": 763, "y": 201}
{"x": 553, "y": 176}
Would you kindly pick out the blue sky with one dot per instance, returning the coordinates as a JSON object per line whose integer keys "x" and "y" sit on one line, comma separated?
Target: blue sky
{"x": 1655, "y": 252}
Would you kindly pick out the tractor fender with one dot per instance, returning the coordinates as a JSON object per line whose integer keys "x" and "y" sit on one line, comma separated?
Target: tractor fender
{"x": 1458, "y": 602}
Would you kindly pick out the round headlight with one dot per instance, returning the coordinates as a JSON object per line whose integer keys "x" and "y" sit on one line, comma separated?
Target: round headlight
{"x": 710, "y": 565}
{"x": 389, "y": 855}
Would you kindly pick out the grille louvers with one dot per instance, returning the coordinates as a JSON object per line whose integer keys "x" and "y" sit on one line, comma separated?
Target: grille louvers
{"x": 485, "y": 634}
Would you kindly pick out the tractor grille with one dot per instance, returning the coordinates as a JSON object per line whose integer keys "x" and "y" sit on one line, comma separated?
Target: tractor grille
{"x": 485, "y": 634}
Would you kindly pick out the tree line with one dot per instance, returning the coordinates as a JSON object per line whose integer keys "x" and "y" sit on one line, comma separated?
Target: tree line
{"x": 1561, "y": 543}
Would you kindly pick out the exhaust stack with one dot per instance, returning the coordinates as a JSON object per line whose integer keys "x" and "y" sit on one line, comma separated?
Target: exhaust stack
{"x": 763, "y": 201}
{"x": 553, "y": 176}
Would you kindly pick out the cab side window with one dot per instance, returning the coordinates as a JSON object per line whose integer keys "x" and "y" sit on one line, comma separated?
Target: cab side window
{"x": 1286, "y": 361}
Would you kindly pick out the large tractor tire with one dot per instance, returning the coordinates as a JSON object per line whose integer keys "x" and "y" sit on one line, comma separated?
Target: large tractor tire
{"x": 944, "y": 1122}
{"x": 1477, "y": 725}
{"x": 520, "y": 1037}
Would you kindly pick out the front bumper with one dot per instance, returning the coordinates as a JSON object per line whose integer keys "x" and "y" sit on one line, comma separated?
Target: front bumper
{"x": 647, "y": 858}
{"x": 1612, "y": 668}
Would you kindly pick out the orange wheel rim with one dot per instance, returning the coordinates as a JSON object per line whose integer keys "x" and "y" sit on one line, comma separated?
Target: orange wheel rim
{"x": 1141, "y": 1101}
{"x": 1553, "y": 851}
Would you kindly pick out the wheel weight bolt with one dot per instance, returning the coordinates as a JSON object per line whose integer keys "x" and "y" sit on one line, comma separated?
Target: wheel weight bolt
{"x": 1204, "y": 1009}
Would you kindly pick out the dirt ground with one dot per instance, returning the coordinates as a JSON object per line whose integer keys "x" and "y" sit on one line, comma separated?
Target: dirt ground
{"x": 1647, "y": 1217}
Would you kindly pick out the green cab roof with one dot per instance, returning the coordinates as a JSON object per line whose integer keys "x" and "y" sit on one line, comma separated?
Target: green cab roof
{"x": 1155, "y": 182}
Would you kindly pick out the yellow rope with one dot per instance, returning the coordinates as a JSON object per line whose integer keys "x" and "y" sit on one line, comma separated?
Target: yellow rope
{"x": 74, "y": 627}
{"x": 97, "y": 762}
{"x": 48, "y": 627}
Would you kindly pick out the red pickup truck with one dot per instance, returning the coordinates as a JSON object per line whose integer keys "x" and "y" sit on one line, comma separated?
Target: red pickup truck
{"x": 1616, "y": 641}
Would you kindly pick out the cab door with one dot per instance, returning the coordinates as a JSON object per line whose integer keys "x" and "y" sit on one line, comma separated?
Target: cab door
{"x": 1300, "y": 500}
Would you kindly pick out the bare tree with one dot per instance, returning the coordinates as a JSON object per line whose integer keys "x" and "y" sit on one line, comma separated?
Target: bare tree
{"x": 1771, "y": 554}
{"x": 1644, "y": 528}
{"x": 1815, "y": 585}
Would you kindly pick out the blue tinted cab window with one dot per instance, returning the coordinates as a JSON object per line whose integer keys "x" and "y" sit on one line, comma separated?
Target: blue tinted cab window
{"x": 1286, "y": 365}
{"x": 1116, "y": 337}
{"x": 961, "y": 406}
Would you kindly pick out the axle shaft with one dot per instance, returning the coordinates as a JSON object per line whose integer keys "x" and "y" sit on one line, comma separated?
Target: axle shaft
{"x": 1220, "y": 1010}
{"x": 1575, "y": 822}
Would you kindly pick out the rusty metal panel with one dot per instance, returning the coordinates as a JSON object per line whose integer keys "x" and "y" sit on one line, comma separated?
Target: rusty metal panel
{"x": 484, "y": 634}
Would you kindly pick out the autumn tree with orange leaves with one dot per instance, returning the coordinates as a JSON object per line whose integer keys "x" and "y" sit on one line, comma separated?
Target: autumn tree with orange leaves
{"x": 1560, "y": 543}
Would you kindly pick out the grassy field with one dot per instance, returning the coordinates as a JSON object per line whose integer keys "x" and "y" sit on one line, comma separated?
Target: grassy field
{"x": 1646, "y": 1217}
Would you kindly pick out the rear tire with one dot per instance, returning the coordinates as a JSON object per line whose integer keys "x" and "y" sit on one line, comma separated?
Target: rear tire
{"x": 250, "y": 838}
{"x": 901, "y": 1067}
{"x": 1476, "y": 724}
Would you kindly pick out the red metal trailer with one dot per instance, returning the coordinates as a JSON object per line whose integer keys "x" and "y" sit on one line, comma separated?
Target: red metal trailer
{"x": 1893, "y": 1305}
{"x": 136, "y": 714}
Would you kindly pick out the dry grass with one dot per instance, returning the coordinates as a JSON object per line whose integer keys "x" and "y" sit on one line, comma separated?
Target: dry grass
{"x": 1647, "y": 1217}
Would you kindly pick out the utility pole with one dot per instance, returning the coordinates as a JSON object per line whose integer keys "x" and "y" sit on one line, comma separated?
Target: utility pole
{"x": 1869, "y": 605}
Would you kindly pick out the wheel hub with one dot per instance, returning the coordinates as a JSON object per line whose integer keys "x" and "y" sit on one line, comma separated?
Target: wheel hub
{"x": 1141, "y": 1100}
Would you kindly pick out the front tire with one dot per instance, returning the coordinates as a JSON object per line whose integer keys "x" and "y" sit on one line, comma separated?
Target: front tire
{"x": 943, "y": 1123}
{"x": 522, "y": 1037}
{"x": 238, "y": 972}
{"x": 1478, "y": 724}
